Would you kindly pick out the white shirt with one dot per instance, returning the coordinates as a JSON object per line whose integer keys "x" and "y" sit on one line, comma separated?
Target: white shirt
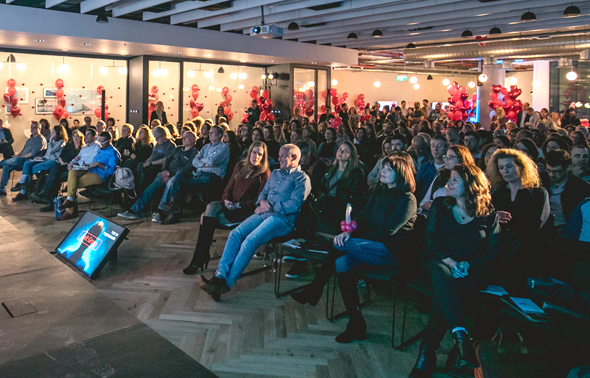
{"x": 87, "y": 153}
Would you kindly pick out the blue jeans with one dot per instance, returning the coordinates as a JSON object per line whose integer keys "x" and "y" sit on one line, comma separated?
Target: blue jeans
{"x": 12, "y": 164}
{"x": 148, "y": 193}
{"x": 242, "y": 243}
{"x": 202, "y": 182}
{"x": 33, "y": 167}
{"x": 364, "y": 252}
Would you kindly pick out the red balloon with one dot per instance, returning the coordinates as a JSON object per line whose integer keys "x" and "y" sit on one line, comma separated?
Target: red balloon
{"x": 59, "y": 109}
{"x": 152, "y": 107}
{"x": 199, "y": 107}
{"x": 97, "y": 112}
{"x": 459, "y": 104}
{"x": 194, "y": 112}
{"x": 228, "y": 98}
{"x": 222, "y": 103}
{"x": 265, "y": 94}
{"x": 263, "y": 116}
{"x": 345, "y": 95}
{"x": 245, "y": 117}
{"x": 15, "y": 111}
{"x": 462, "y": 90}
{"x": 453, "y": 91}
{"x": 498, "y": 102}
{"x": 13, "y": 101}
{"x": 192, "y": 104}
{"x": 11, "y": 83}
{"x": 195, "y": 95}
{"x": 253, "y": 94}
{"x": 7, "y": 98}
{"x": 230, "y": 116}
{"x": 361, "y": 97}
{"x": 100, "y": 89}
{"x": 491, "y": 104}
{"x": 496, "y": 88}
{"x": 323, "y": 108}
{"x": 335, "y": 100}
{"x": 267, "y": 108}
{"x": 65, "y": 114}
{"x": 474, "y": 98}
{"x": 227, "y": 110}
{"x": 334, "y": 92}
{"x": 511, "y": 115}
{"x": 255, "y": 89}
{"x": 155, "y": 89}
{"x": 62, "y": 101}
{"x": 458, "y": 114}
{"x": 493, "y": 95}
{"x": 504, "y": 91}
{"x": 261, "y": 100}
{"x": 59, "y": 93}
{"x": 464, "y": 96}
{"x": 270, "y": 117}
{"x": 56, "y": 116}
{"x": 508, "y": 102}
{"x": 309, "y": 112}
{"x": 59, "y": 83}
{"x": 268, "y": 101}
{"x": 456, "y": 97}
{"x": 323, "y": 94}
{"x": 11, "y": 91}
{"x": 195, "y": 88}
{"x": 341, "y": 100}
{"x": 224, "y": 91}
{"x": 337, "y": 121}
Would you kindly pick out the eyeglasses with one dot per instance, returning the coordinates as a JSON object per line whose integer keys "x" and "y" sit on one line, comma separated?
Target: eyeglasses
{"x": 450, "y": 157}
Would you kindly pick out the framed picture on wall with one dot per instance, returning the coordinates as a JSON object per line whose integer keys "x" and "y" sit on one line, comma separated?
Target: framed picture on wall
{"x": 49, "y": 92}
{"x": 45, "y": 105}
{"x": 21, "y": 93}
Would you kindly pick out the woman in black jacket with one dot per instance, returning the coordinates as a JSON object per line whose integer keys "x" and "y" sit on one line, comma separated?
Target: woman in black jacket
{"x": 462, "y": 238}
{"x": 380, "y": 241}
{"x": 343, "y": 183}
{"x": 6, "y": 142}
{"x": 126, "y": 143}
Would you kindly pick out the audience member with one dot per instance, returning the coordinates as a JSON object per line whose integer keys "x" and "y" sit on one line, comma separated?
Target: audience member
{"x": 126, "y": 143}
{"x": 312, "y": 166}
{"x": 390, "y": 144}
{"x": 6, "y": 141}
{"x": 438, "y": 147}
{"x": 327, "y": 148}
{"x": 580, "y": 162}
{"x": 153, "y": 165}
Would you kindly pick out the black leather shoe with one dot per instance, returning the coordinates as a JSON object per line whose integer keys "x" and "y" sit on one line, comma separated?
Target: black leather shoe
{"x": 356, "y": 329}
{"x": 47, "y": 208}
{"x": 20, "y": 197}
{"x": 462, "y": 360}
{"x": 425, "y": 364}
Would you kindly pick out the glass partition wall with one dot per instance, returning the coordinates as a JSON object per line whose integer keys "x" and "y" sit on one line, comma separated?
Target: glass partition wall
{"x": 310, "y": 87}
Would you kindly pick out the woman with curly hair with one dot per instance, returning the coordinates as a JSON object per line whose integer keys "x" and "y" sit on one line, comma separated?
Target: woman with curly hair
{"x": 458, "y": 266}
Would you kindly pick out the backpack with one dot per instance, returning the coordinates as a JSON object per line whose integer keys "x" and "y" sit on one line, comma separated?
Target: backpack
{"x": 123, "y": 179}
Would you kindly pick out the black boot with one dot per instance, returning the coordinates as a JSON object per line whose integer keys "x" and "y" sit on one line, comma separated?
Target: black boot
{"x": 201, "y": 256}
{"x": 462, "y": 360}
{"x": 426, "y": 362}
{"x": 356, "y": 329}
{"x": 312, "y": 293}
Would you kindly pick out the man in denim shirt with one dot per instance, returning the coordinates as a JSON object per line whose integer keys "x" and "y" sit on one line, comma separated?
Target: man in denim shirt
{"x": 278, "y": 209}
{"x": 104, "y": 165}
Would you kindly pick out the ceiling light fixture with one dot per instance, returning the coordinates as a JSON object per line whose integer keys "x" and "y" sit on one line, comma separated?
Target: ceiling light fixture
{"x": 233, "y": 75}
{"x": 263, "y": 76}
{"x": 571, "y": 11}
{"x": 104, "y": 70}
{"x": 429, "y": 77}
{"x": 471, "y": 84}
{"x": 241, "y": 86}
{"x": 495, "y": 30}
{"x": 208, "y": 55}
{"x": 122, "y": 70}
{"x": 208, "y": 75}
{"x": 220, "y": 70}
{"x": 377, "y": 84}
{"x": 528, "y": 16}
{"x": 482, "y": 78}
{"x": 334, "y": 82}
{"x": 20, "y": 66}
{"x": 352, "y": 36}
{"x": 271, "y": 76}
{"x": 63, "y": 68}
{"x": 293, "y": 26}
{"x": 446, "y": 82}
{"x": 39, "y": 40}
{"x": 571, "y": 76}
{"x": 536, "y": 83}
{"x": 416, "y": 86}
{"x": 191, "y": 73}
{"x": 243, "y": 75}
{"x": 411, "y": 46}
{"x": 467, "y": 34}
{"x": 377, "y": 33}
{"x": 413, "y": 80}
{"x": 102, "y": 19}
{"x": 513, "y": 80}
{"x": 211, "y": 88}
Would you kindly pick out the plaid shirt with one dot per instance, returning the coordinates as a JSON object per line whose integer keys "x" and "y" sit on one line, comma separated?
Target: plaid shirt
{"x": 212, "y": 158}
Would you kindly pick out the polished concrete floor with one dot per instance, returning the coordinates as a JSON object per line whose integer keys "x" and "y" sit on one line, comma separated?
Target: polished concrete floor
{"x": 249, "y": 333}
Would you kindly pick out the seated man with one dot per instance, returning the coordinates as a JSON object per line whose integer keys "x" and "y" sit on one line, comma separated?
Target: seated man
{"x": 81, "y": 176}
{"x": 210, "y": 163}
{"x": 566, "y": 190}
{"x": 6, "y": 141}
{"x": 278, "y": 208}
{"x": 153, "y": 165}
{"x": 180, "y": 160}
{"x": 35, "y": 144}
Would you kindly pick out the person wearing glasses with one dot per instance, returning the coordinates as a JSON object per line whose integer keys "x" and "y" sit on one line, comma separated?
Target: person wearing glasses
{"x": 455, "y": 155}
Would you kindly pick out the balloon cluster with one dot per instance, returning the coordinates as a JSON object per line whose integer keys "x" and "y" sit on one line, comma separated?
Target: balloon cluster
{"x": 196, "y": 107}
{"x": 11, "y": 99}
{"x": 348, "y": 225}
{"x": 97, "y": 111}
{"x": 305, "y": 101}
{"x": 226, "y": 103}
{"x": 60, "y": 111}
{"x": 460, "y": 108}
{"x": 501, "y": 97}
{"x": 153, "y": 99}
{"x": 338, "y": 101}
{"x": 263, "y": 102}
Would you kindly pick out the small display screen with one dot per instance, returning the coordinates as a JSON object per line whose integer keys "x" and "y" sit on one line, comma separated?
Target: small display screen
{"x": 89, "y": 242}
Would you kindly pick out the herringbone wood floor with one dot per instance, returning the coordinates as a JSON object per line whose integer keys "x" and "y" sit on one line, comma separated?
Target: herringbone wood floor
{"x": 249, "y": 333}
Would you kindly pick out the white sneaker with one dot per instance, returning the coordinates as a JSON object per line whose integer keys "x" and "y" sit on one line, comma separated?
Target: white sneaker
{"x": 128, "y": 215}
{"x": 156, "y": 218}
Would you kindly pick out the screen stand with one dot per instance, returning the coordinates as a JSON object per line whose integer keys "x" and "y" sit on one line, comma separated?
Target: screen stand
{"x": 114, "y": 254}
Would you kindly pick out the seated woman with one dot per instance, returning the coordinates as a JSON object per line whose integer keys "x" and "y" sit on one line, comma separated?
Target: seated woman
{"x": 142, "y": 150}
{"x": 379, "y": 242}
{"x": 126, "y": 142}
{"x": 59, "y": 172}
{"x": 457, "y": 265}
{"x": 57, "y": 140}
{"x": 343, "y": 182}
{"x": 522, "y": 205}
{"x": 230, "y": 138}
{"x": 486, "y": 154}
{"x": 455, "y": 155}
{"x": 237, "y": 204}
{"x": 279, "y": 135}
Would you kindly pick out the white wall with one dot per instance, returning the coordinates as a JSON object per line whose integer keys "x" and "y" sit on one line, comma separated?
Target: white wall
{"x": 525, "y": 82}
{"x": 40, "y": 73}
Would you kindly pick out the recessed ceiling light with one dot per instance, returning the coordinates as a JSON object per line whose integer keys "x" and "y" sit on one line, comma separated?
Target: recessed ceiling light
{"x": 179, "y": 52}
{"x": 414, "y": 33}
{"x": 413, "y": 23}
{"x": 208, "y": 55}
{"x": 446, "y": 30}
{"x": 481, "y": 15}
{"x": 86, "y": 44}
{"x": 514, "y": 23}
{"x": 314, "y": 62}
{"x": 243, "y": 61}
{"x": 271, "y": 61}
{"x": 39, "y": 40}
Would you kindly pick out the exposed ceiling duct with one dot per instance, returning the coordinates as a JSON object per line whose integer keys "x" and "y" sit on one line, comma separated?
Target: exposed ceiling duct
{"x": 521, "y": 48}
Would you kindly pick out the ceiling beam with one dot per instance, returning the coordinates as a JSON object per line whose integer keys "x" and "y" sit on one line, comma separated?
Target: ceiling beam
{"x": 122, "y": 10}
{"x": 52, "y": 3}
{"x": 90, "y": 5}
{"x": 237, "y": 5}
{"x": 179, "y": 8}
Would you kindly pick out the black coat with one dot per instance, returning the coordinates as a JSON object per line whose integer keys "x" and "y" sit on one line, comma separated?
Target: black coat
{"x": 575, "y": 191}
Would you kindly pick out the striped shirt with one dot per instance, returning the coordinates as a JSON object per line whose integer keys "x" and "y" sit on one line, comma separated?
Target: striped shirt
{"x": 54, "y": 148}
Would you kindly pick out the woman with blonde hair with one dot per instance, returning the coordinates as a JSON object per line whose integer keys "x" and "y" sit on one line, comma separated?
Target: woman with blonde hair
{"x": 458, "y": 266}
{"x": 238, "y": 201}
{"x": 142, "y": 149}
{"x": 500, "y": 117}
{"x": 159, "y": 114}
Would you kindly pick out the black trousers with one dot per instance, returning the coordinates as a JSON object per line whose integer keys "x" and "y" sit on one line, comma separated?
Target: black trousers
{"x": 57, "y": 174}
{"x": 6, "y": 150}
{"x": 450, "y": 299}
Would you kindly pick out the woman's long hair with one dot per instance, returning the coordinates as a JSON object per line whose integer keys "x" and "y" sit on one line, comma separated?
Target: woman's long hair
{"x": 353, "y": 163}
{"x": 60, "y": 133}
{"x": 249, "y": 170}
{"x": 529, "y": 175}
{"x": 403, "y": 166}
{"x": 464, "y": 157}
{"x": 477, "y": 188}
{"x": 79, "y": 134}
{"x": 233, "y": 143}
{"x": 148, "y": 139}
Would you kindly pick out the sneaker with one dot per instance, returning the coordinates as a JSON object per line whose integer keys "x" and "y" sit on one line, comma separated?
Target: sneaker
{"x": 361, "y": 283}
{"x": 156, "y": 218}
{"x": 40, "y": 198}
{"x": 20, "y": 197}
{"x": 2, "y": 193}
{"x": 297, "y": 269}
{"x": 171, "y": 219}
{"x": 128, "y": 215}
{"x": 18, "y": 187}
